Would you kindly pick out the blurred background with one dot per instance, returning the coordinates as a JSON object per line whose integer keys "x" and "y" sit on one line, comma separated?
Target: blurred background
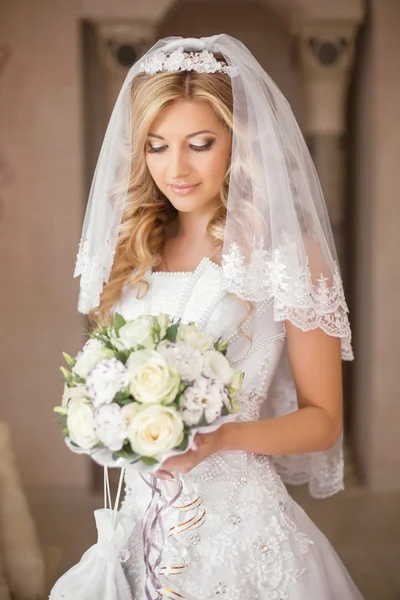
{"x": 62, "y": 63}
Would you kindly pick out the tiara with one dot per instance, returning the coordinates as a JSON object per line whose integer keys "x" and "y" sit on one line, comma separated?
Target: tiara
{"x": 178, "y": 60}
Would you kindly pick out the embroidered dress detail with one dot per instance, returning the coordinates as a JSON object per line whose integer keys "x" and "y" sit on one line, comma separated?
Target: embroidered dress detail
{"x": 238, "y": 534}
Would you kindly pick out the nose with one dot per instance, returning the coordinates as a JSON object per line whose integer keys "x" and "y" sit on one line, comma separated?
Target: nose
{"x": 179, "y": 166}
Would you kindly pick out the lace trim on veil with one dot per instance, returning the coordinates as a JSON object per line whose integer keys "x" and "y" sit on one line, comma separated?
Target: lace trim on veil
{"x": 277, "y": 275}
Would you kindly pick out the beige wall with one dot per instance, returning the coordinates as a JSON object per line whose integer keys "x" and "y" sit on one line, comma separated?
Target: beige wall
{"x": 40, "y": 127}
{"x": 376, "y": 314}
{"x": 267, "y": 36}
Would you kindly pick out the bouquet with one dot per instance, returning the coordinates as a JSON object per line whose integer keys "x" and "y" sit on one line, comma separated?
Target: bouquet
{"x": 139, "y": 390}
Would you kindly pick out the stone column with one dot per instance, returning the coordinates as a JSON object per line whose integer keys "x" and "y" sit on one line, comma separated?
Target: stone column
{"x": 326, "y": 51}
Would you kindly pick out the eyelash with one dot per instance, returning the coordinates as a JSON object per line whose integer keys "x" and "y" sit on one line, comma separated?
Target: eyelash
{"x": 158, "y": 150}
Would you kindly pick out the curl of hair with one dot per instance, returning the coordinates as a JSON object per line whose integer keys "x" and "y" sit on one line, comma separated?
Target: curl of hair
{"x": 147, "y": 212}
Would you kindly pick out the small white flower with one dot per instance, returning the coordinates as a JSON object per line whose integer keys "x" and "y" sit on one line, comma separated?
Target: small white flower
{"x": 217, "y": 366}
{"x": 88, "y": 357}
{"x": 154, "y": 430}
{"x": 80, "y": 424}
{"x": 110, "y": 426}
{"x": 187, "y": 360}
{"x": 152, "y": 379}
{"x": 140, "y": 332}
{"x": 195, "y": 337}
{"x": 105, "y": 380}
{"x": 77, "y": 394}
{"x": 206, "y": 396}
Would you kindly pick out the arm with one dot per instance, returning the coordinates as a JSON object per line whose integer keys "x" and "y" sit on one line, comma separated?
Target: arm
{"x": 316, "y": 364}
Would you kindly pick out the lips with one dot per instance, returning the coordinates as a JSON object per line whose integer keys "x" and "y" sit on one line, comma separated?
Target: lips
{"x": 183, "y": 189}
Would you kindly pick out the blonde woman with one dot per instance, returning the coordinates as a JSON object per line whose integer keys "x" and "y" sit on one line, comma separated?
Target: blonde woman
{"x": 205, "y": 205}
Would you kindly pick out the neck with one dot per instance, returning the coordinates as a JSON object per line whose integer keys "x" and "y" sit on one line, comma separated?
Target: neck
{"x": 194, "y": 225}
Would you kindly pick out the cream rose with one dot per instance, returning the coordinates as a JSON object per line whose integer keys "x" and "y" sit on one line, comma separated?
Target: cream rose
{"x": 140, "y": 332}
{"x": 80, "y": 424}
{"x": 90, "y": 355}
{"x": 152, "y": 380}
{"x": 129, "y": 411}
{"x": 217, "y": 366}
{"x": 77, "y": 394}
{"x": 195, "y": 337}
{"x": 155, "y": 430}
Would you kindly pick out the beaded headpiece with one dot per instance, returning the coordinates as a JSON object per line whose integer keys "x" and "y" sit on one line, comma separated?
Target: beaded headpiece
{"x": 178, "y": 60}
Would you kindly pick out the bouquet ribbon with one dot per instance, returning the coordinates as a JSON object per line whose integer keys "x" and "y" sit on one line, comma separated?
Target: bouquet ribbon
{"x": 153, "y": 523}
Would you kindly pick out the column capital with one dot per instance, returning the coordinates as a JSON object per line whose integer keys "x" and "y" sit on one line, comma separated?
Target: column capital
{"x": 121, "y": 43}
{"x": 326, "y": 49}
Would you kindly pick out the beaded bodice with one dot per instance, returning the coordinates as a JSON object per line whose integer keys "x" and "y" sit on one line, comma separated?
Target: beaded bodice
{"x": 257, "y": 346}
{"x": 242, "y": 493}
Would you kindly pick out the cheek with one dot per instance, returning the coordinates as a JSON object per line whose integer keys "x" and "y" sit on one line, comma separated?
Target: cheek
{"x": 216, "y": 169}
{"x": 155, "y": 168}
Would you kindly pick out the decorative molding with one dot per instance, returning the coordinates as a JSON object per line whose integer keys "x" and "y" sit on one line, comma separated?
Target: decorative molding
{"x": 121, "y": 43}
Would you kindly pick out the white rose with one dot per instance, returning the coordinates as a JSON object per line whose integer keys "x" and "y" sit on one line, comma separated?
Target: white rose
{"x": 110, "y": 426}
{"x": 164, "y": 322}
{"x": 155, "y": 430}
{"x": 80, "y": 425}
{"x": 205, "y": 396}
{"x": 105, "y": 380}
{"x": 88, "y": 357}
{"x": 129, "y": 411}
{"x": 187, "y": 360}
{"x": 195, "y": 337}
{"x": 217, "y": 366}
{"x": 140, "y": 332}
{"x": 77, "y": 394}
{"x": 152, "y": 380}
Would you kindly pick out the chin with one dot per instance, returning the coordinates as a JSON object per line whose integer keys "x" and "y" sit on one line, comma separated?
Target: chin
{"x": 187, "y": 205}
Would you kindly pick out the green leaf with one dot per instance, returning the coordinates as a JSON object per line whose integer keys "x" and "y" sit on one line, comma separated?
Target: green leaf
{"x": 119, "y": 322}
{"x": 202, "y": 422}
{"x": 149, "y": 460}
{"x": 124, "y": 395}
{"x": 225, "y": 411}
{"x": 221, "y": 345}
{"x": 122, "y": 355}
{"x": 184, "y": 443}
{"x": 126, "y": 453}
{"x": 67, "y": 375}
{"x": 172, "y": 332}
{"x": 70, "y": 360}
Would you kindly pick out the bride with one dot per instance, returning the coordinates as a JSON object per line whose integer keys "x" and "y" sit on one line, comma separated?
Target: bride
{"x": 206, "y": 205}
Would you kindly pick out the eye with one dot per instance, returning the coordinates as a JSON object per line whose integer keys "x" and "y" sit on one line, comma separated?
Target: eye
{"x": 156, "y": 149}
{"x": 203, "y": 148}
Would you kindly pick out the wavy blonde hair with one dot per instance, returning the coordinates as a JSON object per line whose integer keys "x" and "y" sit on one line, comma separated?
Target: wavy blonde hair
{"x": 147, "y": 212}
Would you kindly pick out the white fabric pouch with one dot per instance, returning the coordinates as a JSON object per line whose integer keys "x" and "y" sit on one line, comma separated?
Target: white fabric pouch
{"x": 99, "y": 574}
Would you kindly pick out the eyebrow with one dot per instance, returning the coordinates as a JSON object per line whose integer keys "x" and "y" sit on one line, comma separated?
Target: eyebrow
{"x": 186, "y": 137}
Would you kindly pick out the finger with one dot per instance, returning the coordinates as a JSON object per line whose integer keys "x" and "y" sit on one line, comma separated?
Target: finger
{"x": 163, "y": 474}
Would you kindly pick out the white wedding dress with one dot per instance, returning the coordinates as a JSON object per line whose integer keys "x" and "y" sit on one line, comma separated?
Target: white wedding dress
{"x": 256, "y": 543}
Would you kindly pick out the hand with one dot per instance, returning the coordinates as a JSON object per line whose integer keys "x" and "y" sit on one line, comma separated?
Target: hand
{"x": 206, "y": 445}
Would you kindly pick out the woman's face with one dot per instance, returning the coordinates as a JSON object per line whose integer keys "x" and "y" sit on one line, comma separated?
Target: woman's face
{"x": 187, "y": 153}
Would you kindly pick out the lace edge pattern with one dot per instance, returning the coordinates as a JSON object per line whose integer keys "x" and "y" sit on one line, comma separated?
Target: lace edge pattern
{"x": 277, "y": 275}
{"x": 94, "y": 270}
